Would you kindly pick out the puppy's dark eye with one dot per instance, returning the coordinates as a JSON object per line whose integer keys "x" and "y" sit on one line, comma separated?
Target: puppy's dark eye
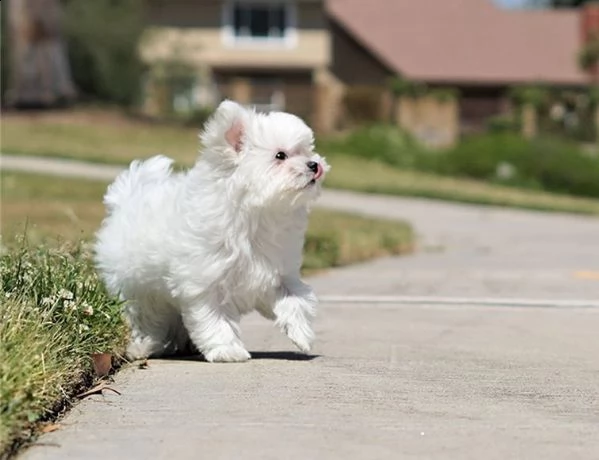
{"x": 281, "y": 156}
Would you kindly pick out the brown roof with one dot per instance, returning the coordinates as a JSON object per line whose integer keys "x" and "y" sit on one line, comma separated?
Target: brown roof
{"x": 465, "y": 40}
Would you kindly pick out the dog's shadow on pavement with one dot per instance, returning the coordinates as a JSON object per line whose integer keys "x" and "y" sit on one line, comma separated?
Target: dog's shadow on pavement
{"x": 256, "y": 355}
{"x": 282, "y": 355}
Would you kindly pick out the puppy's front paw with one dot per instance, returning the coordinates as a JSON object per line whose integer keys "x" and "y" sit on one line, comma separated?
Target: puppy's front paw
{"x": 233, "y": 353}
{"x": 301, "y": 335}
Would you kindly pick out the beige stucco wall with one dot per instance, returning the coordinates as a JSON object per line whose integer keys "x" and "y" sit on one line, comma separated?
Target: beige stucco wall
{"x": 207, "y": 47}
{"x": 193, "y": 31}
{"x": 328, "y": 101}
{"x": 529, "y": 121}
{"x": 433, "y": 122}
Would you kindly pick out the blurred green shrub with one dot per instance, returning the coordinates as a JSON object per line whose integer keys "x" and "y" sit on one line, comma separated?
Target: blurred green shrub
{"x": 504, "y": 124}
{"x": 4, "y": 56}
{"x": 102, "y": 38}
{"x": 362, "y": 104}
{"x": 547, "y": 163}
{"x": 383, "y": 142}
{"x": 502, "y": 157}
{"x": 402, "y": 87}
{"x": 198, "y": 117}
{"x": 537, "y": 96}
{"x": 444, "y": 94}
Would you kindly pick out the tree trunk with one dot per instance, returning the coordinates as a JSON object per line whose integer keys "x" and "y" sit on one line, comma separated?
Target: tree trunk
{"x": 40, "y": 75}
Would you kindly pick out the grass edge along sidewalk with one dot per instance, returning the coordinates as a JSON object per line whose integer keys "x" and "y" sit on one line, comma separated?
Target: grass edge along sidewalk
{"x": 370, "y": 176}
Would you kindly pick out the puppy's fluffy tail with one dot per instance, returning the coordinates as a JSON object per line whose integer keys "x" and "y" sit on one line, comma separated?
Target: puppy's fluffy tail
{"x": 140, "y": 174}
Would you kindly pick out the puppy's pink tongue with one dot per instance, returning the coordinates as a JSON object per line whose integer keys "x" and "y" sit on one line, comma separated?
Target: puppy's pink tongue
{"x": 319, "y": 172}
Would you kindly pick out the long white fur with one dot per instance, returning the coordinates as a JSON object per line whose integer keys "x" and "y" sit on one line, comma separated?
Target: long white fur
{"x": 192, "y": 252}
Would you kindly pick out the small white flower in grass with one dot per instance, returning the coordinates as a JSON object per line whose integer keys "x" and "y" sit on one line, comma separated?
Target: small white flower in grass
{"x": 48, "y": 301}
{"x": 557, "y": 112}
{"x": 70, "y": 305}
{"x": 65, "y": 294}
{"x": 505, "y": 171}
{"x": 7, "y": 295}
{"x": 87, "y": 309}
{"x": 83, "y": 328}
{"x": 90, "y": 283}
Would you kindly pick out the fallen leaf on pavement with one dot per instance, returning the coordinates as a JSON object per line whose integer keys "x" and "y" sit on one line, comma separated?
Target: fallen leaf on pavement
{"x": 97, "y": 390}
{"x": 102, "y": 363}
{"x": 50, "y": 428}
{"x": 587, "y": 275}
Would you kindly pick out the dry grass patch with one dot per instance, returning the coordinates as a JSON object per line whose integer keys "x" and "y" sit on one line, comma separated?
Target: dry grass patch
{"x": 71, "y": 210}
{"x": 49, "y": 207}
{"x": 96, "y": 136}
{"x": 100, "y": 135}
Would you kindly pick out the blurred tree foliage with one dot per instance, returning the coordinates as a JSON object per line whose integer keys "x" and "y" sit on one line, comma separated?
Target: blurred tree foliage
{"x": 567, "y": 3}
{"x": 102, "y": 38}
{"x": 4, "y": 57}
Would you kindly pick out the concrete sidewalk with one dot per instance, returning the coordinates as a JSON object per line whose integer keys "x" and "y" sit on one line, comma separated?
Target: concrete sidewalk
{"x": 385, "y": 382}
{"x": 59, "y": 167}
{"x": 390, "y": 380}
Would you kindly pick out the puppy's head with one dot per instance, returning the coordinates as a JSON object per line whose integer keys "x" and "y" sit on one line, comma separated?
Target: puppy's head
{"x": 271, "y": 156}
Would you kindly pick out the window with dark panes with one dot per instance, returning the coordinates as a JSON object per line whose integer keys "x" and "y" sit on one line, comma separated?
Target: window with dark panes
{"x": 259, "y": 20}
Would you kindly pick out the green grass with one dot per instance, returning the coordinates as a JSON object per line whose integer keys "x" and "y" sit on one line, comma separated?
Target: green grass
{"x": 335, "y": 239}
{"x": 54, "y": 314}
{"x": 101, "y": 137}
{"x": 49, "y": 207}
{"x": 71, "y": 210}
{"x": 370, "y": 176}
{"x": 110, "y": 137}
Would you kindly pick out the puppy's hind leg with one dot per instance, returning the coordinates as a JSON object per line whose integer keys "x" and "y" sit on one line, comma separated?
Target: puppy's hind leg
{"x": 152, "y": 327}
{"x": 214, "y": 330}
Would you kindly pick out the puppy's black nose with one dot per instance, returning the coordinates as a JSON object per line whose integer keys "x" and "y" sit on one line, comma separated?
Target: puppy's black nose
{"x": 313, "y": 166}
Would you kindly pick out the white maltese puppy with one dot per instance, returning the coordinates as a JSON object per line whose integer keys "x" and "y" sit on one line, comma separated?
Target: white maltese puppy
{"x": 190, "y": 253}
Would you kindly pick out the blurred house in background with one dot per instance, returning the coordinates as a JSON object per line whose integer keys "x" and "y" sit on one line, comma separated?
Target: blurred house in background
{"x": 304, "y": 55}
{"x": 271, "y": 54}
{"x": 471, "y": 45}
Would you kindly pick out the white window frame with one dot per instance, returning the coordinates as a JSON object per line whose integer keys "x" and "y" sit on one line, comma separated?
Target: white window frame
{"x": 288, "y": 40}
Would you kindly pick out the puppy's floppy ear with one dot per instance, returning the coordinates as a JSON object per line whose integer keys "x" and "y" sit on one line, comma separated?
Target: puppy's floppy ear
{"x": 225, "y": 131}
{"x": 234, "y": 135}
